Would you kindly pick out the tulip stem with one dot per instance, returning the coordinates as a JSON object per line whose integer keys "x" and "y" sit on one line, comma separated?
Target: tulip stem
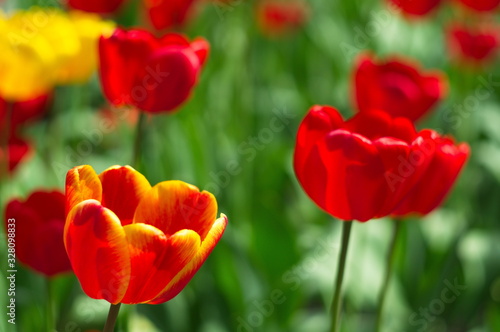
{"x": 336, "y": 302}
{"x": 112, "y": 316}
{"x": 388, "y": 273}
{"x": 50, "y": 305}
{"x": 136, "y": 157}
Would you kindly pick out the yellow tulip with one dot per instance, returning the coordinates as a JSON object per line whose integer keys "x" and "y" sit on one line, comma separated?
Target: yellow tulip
{"x": 40, "y": 48}
{"x": 80, "y": 66}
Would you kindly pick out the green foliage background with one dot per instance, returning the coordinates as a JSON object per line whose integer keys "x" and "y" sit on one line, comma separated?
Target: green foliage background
{"x": 278, "y": 245}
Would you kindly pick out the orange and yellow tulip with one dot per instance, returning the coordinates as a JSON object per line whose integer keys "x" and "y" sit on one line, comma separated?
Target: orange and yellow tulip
{"x": 132, "y": 243}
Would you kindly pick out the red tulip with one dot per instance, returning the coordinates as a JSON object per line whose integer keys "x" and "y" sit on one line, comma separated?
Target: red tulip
{"x": 22, "y": 111}
{"x": 473, "y": 46}
{"x": 396, "y": 86}
{"x": 131, "y": 243}
{"x": 39, "y": 224}
{"x": 93, "y": 6}
{"x": 480, "y": 5}
{"x": 278, "y": 17}
{"x": 153, "y": 74}
{"x": 365, "y": 167}
{"x": 167, "y": 14}
{"x": 446, "y": 163}
{"x": 16, "y": 151}
{"x": 415, "y": 8}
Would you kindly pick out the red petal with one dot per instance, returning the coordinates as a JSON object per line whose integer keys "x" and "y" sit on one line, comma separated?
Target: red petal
{"x": 122, "y": 189}
{"x": 96, "y": 6}
{"x": 167, "y": 79}
{"x": 156, "y": 260}
{"x": 184, "y": 276}
{"x": 39, "y": 224}
{"x": 98, "y": 250}
{"x": 417, "y": 8}
{"x": 357, "y": 188}
{"x": 166, "y": 14}
{"x": 319, "y": 121}
{"x": 440, "y": 175}
{"x": 122, "y": 56}
{"x": 377, "y": 124}
{"x": 201, "y": 48}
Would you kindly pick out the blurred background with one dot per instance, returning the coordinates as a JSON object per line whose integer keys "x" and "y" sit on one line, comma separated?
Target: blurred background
{"x": 274, "y": 268}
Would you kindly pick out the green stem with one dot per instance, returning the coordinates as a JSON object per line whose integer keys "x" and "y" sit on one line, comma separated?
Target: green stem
{"x": 136, "y": 157}
{"x": 336, "y": 302}
{"x": 50, "y": 306}
{"x": 388, "y": 273}
{"x": 112, "y": 315}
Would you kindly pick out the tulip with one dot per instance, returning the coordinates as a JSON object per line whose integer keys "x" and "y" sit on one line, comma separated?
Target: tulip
{"x": 131, "y": 243}
{"x": 372, "y": 164}
{"x": 278, "y": 17}
{"x": 39, "y": 224}
{"x": 153, "y": 74}
{"x": 62, "y": 49}
{"x": 16, "y": 151}
{"x": 99, "y": 6}
{"x": 416, "y": 8}
{"x": 396, "y": 86}
{"x": 168, "y": 14}
{"x": 473, "y": 46}
{"x": 480, "y": 5}
{"x": 446, "y": 163}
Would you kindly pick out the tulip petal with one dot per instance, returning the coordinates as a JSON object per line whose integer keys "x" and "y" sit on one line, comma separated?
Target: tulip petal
{"x": 184, "y": 276}
{"x": 167, "y": 79}
{"x": 156, "y": 260}
{"x": 39, "y": 225}
{"x": 97, "y": 248}
{"x": 122, "y": 56}
{"x": 319, "y": 121}
{"x": 166, "y": 14}
{"x": 444, "y": 167}
{"x": 122, "y": 189}
{"x": 174, "y": 39}
{"x": 147, "y": 246}
{"x": 48, "y": 205}
{"x": 82, "y": 183}
{"x": 355, "y": 170}
{"x": 175, "y": 205}
{"x": 201, "y": 48}
{"x": 102, "y": 7}
{"x": 375, "y": 124}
